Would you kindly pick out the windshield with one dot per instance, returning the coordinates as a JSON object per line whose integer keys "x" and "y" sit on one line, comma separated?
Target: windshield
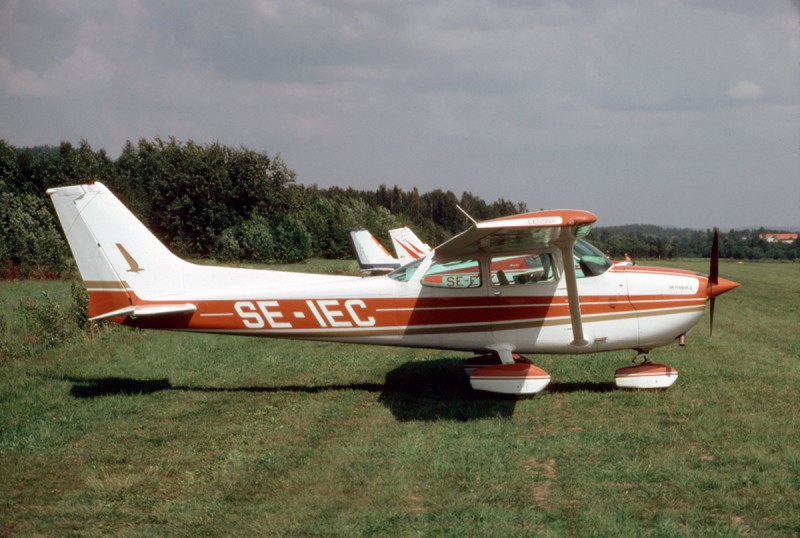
{"x": 590, "y": 261}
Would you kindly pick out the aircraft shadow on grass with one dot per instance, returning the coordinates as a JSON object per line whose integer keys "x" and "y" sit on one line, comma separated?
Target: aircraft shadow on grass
{"x": 415, "y": 391}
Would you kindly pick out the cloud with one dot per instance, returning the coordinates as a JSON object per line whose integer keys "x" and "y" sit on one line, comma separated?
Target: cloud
{"x": 21, "y": 81}
{"x": 745, "y": 90}
{"x": 84, "y": 70}
{"x": 555, "y": 103}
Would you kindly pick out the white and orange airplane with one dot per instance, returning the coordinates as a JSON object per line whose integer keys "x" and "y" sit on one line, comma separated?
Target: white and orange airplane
{"x": 456, "y": 297}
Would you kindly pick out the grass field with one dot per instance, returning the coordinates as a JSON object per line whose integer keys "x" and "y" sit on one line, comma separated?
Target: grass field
{"x": 137, "y": 433}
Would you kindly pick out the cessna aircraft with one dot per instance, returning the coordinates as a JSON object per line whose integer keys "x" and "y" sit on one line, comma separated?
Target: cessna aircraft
{"x": 571, "y": 299}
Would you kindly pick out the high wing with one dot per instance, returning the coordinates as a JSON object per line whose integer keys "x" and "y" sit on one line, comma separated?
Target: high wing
{"x": 507, "y": 235}
{"x": 520, "y": 232}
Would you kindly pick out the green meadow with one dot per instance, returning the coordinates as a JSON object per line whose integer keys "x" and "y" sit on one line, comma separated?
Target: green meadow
{"x": 136, "y": 433}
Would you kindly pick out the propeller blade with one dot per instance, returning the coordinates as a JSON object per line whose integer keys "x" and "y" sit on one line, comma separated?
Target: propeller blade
{"x": 713, "y": 277}
{"x": 713, "y": 274}
{"x": 711, "y": 312}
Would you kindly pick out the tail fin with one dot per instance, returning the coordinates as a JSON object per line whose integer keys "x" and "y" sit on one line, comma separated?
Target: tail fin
{"x": 119, "y": 259}
{"x": 407, "y": 245}
{"x": 371, "y": 256}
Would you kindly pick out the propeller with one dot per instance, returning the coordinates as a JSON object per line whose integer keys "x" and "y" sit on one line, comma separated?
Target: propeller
{"x": 713, "y": 276}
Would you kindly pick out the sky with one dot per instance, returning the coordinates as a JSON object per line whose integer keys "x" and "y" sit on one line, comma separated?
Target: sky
{"x": 676, "y": 113}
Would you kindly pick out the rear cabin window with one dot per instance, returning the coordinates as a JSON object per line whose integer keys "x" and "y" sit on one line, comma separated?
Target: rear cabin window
{"x": 454, "y": 274}
{"x": 522, "y": 269}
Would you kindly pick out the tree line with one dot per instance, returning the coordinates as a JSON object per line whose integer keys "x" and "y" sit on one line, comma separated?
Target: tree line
{"x": 236, "y": 204}
{"x": 210, "y": 201}
{"x": 656, "y": 242}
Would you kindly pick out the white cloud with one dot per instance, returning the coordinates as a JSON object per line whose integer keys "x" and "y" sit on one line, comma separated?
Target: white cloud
{"x": 84, "y": 69}
{"x": 745, "y": 90}
{"x": 20, "y": 82}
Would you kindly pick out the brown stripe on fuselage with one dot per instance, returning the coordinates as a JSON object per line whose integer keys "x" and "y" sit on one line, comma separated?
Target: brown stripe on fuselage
{"x": 105, "y": 284}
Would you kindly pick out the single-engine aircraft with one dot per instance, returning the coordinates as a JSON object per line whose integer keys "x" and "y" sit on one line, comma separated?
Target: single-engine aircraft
{"x": 457, "y": 297}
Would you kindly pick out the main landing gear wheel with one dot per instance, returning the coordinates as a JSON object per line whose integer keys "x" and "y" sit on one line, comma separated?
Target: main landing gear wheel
{"x": 645, "y": 375}
{"x": 520, "y": 378}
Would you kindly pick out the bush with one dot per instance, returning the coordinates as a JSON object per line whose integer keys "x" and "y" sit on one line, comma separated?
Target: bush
{"x": 48, "y": 323}
{"x": 45, "y": 323}
{"x": 79, "y": 308}
{"x": 226, "y": 246}
{"x": 293, "y": 243}
{"x": 255, "y": 239}
{"x": 30, "y": 245}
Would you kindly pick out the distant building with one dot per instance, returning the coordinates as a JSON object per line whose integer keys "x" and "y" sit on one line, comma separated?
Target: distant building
{"x": 778, "y": 238}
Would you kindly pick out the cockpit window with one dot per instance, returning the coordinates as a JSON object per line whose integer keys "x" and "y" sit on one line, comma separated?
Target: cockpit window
{"x": 589, "y": 261}
{"x": 404, "y": 273}
{"x": 454, "y": 274}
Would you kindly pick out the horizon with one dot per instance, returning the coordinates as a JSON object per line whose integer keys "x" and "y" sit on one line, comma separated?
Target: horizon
{"x": 598, "y": 224}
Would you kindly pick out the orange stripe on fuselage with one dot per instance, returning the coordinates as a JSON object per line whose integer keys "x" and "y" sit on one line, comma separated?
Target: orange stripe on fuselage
{"x": 376, "y": 316}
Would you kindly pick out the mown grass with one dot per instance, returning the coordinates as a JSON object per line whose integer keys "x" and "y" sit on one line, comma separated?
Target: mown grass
{"x": 138, "y": 433}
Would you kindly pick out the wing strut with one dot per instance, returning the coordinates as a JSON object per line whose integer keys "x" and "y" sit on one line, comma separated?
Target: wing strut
{"x": 472, "y": 221}
{"x": 578, "y": 338}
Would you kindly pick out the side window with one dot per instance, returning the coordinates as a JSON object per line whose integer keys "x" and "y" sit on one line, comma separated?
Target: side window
{"x": 522, "y": 269}
{"x": 455, "y": 274}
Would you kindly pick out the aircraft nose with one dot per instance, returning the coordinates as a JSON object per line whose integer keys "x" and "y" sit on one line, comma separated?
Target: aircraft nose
{"x": 720, "y": 287}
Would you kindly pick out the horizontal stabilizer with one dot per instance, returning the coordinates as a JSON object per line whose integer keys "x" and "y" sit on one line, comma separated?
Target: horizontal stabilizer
{"x": 145, "y": 311}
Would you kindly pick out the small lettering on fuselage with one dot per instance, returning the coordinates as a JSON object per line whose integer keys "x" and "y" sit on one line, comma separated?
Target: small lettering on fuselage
{"x": 545, "y": 221}
{"x": 333, "y": 313}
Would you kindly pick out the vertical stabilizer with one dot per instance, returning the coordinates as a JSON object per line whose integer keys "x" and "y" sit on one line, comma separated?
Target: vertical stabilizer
{"x": 370, "y": 254}
{"x": 119, "y": 259}
{"x": 407, "y": 245}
